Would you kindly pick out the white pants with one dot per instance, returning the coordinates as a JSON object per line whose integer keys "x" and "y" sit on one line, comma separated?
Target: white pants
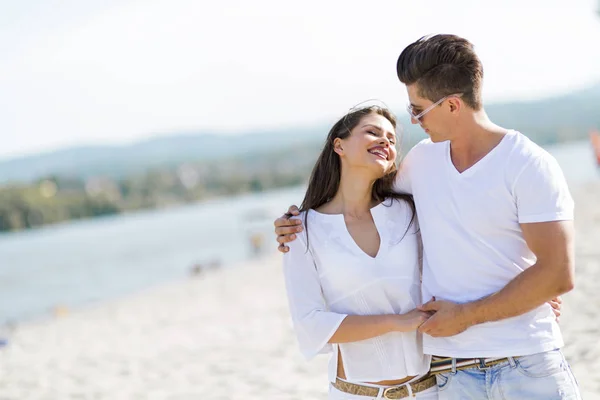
{"x": 334, "y": 394}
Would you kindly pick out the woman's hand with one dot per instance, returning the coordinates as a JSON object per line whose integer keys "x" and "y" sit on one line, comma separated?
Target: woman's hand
{"x": 412, "y": 320}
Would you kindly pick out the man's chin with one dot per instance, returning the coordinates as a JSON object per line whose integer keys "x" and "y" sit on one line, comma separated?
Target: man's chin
{"x": 435, "y": 138}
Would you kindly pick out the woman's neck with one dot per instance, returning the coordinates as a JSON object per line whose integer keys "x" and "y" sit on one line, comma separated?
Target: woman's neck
{"x": 354, "y": 197}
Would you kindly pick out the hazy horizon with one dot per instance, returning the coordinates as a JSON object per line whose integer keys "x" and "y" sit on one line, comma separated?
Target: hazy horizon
{"x": 254, "y": 130}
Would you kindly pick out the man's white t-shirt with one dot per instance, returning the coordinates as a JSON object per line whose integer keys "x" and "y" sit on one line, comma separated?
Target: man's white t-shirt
{"x": 473, "y": 242}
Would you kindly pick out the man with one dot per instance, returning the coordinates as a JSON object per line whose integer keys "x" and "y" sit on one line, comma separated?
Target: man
{"x": 496, "y": 217}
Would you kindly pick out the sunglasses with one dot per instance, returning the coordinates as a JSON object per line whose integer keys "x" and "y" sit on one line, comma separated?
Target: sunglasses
{"x": 420, "y": 115}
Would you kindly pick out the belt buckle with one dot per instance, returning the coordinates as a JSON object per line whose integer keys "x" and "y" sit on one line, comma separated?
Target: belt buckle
{"x": 392, "y": 391}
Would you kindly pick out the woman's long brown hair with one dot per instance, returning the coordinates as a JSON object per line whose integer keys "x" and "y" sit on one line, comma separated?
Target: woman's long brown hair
{"x": 325, "y": 178}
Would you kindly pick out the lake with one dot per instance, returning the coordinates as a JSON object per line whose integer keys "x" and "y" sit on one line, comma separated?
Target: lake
{"x": 82, "y": 262}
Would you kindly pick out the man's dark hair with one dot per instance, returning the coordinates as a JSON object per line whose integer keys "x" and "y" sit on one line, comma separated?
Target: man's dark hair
{"x": 442, "y": 65}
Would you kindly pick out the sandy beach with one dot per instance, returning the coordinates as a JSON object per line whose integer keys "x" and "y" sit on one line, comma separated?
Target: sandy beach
{"x": 226, "y": 334}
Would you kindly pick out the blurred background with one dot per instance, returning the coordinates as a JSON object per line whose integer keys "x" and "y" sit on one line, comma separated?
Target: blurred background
{"x": 151, "y": 144}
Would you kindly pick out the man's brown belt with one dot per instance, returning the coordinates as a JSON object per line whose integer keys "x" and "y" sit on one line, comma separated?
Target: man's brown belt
{"x": 444, "y": 364}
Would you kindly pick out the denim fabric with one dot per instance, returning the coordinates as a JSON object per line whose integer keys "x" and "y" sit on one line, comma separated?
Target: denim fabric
{"x": 544, "y": 376}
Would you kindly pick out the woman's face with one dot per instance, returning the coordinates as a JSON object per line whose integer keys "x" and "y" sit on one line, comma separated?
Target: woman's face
{"x": 371, "y": 145}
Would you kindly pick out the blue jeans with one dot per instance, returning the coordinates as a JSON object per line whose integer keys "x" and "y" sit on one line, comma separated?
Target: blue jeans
{"x": 544, "y": 376}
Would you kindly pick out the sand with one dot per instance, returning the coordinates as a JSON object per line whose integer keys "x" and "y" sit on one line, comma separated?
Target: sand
{"x": 226, "y": 334}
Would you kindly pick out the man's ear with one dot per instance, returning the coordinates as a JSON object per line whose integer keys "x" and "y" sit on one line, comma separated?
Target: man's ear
{"x": 455, "y": 104}
{"x": 337, "y": 146}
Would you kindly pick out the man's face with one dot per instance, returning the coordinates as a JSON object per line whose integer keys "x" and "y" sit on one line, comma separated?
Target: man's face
{"x": 431, "y": 116}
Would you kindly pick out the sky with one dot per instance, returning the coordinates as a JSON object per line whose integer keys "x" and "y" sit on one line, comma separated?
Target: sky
{"x": 116, "y": 71}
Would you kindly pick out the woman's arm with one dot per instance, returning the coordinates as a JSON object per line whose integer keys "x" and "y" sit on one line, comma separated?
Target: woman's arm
{"x": 360, "y": 327}
{"x": 316, "y": 327}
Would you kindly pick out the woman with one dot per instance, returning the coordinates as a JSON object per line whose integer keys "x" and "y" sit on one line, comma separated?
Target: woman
{"x": 352, "y": 278}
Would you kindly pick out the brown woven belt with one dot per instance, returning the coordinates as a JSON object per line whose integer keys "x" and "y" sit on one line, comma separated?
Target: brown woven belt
{"x": 393, "y": 392}
{"x": 444, "y": 364}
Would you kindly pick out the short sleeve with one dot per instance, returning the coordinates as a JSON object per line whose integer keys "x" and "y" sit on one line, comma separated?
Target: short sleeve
{"x": 402, "y": 183}
{"x": 314, "y": 325}
{"x": 542, "y": 193}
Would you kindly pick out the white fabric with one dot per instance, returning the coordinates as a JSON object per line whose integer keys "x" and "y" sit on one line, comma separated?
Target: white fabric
{"x": 473, "y": 242}
{"x": 335, "y": 278}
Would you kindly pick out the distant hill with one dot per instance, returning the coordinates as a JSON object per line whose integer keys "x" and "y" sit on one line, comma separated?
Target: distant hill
{"x": 562, "y": 118}
{"x": 555, "y": 119}
{"x": 120, "y": 161}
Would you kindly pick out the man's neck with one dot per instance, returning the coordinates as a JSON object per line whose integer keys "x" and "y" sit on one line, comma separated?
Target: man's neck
{"x": 477, "y": 137}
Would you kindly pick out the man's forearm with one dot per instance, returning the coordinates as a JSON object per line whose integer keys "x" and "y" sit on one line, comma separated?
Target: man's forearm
{"x": 529, "y": 290}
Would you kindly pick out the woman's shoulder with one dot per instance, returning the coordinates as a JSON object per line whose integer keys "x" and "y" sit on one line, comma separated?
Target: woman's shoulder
{"x": 319, "y": 226}
{"x": 300, "y": 216}
{"x": 310, "y": 223}
{"x": 305, "y": 215}
{"x": 398, "y": 204}
{"x": 401, "y": 211}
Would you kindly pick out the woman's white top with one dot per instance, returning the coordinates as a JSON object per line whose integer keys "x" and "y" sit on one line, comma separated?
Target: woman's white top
{"x": 333, "y": 278}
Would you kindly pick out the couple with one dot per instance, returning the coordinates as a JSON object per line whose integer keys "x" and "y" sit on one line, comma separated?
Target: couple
{"x": 495, "y": 218}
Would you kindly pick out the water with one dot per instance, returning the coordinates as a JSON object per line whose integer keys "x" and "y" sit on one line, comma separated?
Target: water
{"x": 88, "y": 261}
{"x": 577, "y": 161}
{"x": 82, "y": 262}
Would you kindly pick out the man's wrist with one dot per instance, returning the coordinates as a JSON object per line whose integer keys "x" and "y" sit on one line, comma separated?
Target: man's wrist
{"x": 471, "y": 313}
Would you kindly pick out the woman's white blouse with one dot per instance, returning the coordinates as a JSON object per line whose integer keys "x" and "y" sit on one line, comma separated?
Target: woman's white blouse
{"x": 332, "y": 278}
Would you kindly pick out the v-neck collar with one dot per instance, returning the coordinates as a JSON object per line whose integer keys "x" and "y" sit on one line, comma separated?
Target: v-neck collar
{"x": 379, "y": 219}
{"x": 379, "y": 226}
{"x": 478, "y": 165}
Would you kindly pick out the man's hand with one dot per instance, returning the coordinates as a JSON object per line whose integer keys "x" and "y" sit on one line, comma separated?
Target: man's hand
{"x": 449, "y": 319}
{"x": 412, "y": 320}
{"x": 556, "y": 305}
{"x": 286, "y": 228}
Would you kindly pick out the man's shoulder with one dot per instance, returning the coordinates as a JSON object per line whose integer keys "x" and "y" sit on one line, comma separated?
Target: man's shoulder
{"x": 423, "y": 145}
{"x": 518, "y": 153}
{"x": 528, "y": 158}
{"x": 525, "y": 149}
{"x": 423, "y": 149}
